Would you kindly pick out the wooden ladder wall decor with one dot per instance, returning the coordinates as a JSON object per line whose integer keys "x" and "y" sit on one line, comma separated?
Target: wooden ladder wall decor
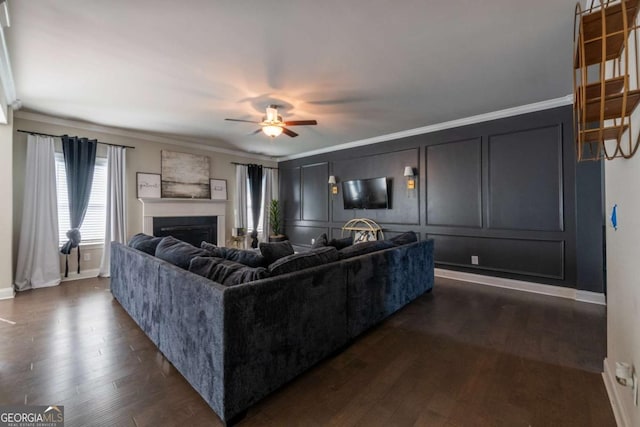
{"x": 602, "y": 107}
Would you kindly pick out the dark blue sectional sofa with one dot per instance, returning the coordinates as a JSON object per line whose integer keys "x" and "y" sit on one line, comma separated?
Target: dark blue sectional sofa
{"x": 237, "y": 344}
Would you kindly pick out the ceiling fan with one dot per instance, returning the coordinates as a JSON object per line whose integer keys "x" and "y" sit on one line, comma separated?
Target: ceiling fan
{"x": 272, "y": 124}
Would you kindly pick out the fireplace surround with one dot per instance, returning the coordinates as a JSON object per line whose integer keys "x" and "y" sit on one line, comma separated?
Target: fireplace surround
{"x": 165, "y": 208}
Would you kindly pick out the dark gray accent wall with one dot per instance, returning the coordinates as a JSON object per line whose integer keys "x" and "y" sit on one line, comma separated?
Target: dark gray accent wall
{"x": 314, "y": 181}
{"x": 526, "y": 179}
{"x": 404, "y": 207}
{"x": 591, "y": 222}
{"x": 454, "y": 184}
{"x": 507, "y": 191}
{"x": 290, "y": 185}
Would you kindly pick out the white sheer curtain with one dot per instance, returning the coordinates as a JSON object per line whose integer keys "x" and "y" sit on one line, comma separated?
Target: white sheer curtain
{"x": 240, "y": 201}
{"x": 116, "y": 222}
{"x": 269, "y": 192}
{"x": 38, "y": 264}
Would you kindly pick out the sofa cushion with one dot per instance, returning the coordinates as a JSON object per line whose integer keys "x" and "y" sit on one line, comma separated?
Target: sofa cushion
{"x": 364, "y": 248}
{"x": 303, "y": 260}
{"x": 273, "y": 251}
{"x": 404, "y": 238}
{"x": 226, "y": 272}
{"x": 341, "y": 243}
{"x": 145, "y": 243}
{"x": 321, "y": 241}
{"x": 177, "y": 252}
{"x": 203, "y": 265}
{"x": 245, "y": 257}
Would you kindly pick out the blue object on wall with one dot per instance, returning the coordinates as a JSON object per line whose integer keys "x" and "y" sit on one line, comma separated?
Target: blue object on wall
{"x": 614, "y": 217}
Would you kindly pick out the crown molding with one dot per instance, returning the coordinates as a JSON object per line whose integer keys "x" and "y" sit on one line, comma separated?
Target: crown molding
{"x": 92, "y": 127}
{"x": 188, "y": 142}
{"x": 500, "y": 114}
{"x": 6, "y": 75}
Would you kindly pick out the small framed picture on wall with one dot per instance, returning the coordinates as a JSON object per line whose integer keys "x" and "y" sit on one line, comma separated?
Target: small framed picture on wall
{"x": 218, "y": 189}
{"x": 147, "y": 185}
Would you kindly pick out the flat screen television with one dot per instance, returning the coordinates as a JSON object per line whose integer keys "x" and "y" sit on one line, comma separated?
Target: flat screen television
{"x": 365, "y": 194}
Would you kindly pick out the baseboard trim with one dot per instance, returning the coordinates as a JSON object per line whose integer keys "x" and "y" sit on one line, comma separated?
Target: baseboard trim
{"x": 612, "y": 391}
{"x": 84, "y": 274}
{"x": 592, "y": 297}
{"x": 520, "y": 285}
{"x": 7, "y": 293}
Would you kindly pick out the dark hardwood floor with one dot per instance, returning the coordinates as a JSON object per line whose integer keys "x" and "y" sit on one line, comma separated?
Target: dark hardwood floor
{"x": 464, "y": 355}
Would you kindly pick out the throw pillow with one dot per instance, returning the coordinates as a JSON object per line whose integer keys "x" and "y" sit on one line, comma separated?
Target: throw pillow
{"x": 321, "y": 241}
{"x": 245, "y": 257}
{"x": 273, "y": 251}
{"x": 303, "y": 260}
{"x": 225, "y": 272}
{"x": 341, "y": 243}
{"x": 177, "y": 252}
{"x": 144, "y": 243}
{"x": 404, "y": 238}
{"x": 364, "y": 248}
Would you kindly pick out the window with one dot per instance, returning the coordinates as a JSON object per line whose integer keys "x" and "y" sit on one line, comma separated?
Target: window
{"x": 92, "y": 229}
{"x": 250, "y": 215}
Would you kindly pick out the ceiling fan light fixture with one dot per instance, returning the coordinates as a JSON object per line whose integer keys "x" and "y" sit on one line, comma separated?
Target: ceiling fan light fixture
{"x": 272, "y": 114}
{"x": 272, "y": 130}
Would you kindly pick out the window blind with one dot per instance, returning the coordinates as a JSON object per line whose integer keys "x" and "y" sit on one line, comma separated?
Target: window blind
{"x": 92, "y": 229}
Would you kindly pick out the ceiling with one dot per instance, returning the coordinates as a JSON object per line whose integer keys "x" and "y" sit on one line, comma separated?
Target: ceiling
{"x": 362, "y": 68}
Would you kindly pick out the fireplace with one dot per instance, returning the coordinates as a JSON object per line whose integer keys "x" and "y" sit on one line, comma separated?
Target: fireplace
{"x": 158, "y": 209}
{"x": 190, "y": 229}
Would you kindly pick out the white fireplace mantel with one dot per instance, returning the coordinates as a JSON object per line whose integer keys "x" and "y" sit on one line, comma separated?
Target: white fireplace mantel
{"x": 183, "y": 207}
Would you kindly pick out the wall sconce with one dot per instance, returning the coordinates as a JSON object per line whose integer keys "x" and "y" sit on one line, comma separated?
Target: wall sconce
{"x": 332, "y": 183}
{"x": 411, "y": 180}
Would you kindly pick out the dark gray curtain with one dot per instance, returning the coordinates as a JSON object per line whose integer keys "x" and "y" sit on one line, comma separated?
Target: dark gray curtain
{"x": 79, "y": 163}
{"x": 254, "y": 174}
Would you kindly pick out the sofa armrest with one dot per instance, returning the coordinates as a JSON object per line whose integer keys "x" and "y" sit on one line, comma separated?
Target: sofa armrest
{"x": 191, "y": 309}
{"x": 134, "y": 283}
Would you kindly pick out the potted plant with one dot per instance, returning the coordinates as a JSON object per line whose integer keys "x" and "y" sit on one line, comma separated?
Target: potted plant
{"x": 275, "y": 216}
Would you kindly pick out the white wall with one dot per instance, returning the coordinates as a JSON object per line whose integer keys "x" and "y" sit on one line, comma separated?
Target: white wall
{"x": 622, "y": 188}
{"x": 144, "y": 158}
{"x": 622, "y": 178}
{"x": 6, "y": 213}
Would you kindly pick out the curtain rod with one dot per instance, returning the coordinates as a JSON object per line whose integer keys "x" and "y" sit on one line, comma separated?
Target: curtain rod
{"x": 247, "y": 164}
{"x": 60, "y": 136}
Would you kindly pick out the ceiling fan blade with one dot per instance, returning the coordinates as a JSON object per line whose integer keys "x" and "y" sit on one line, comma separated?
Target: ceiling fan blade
{"x": 289, "y": 132}
{"x": 256, "y": 132}
{"x": 239, "y": 120}
{"x": 301, "y": 123}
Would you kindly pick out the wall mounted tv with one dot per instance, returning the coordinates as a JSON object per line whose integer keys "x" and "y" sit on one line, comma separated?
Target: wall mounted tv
{"x": 365, "y": 194}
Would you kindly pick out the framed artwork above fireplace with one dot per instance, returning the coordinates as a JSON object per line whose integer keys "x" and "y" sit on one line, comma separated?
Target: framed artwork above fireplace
{"x": 185, "y": 176}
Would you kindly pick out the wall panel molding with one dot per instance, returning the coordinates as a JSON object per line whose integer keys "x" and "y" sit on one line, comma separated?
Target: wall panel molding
{"x": 315, "y": 192}
{"x": 526, "y": 257}
{"x": 525, "y": 179}
{"x": 454, "y": 183}
{"x": 290, "y": 193}
{"x": 534, "y": 178}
